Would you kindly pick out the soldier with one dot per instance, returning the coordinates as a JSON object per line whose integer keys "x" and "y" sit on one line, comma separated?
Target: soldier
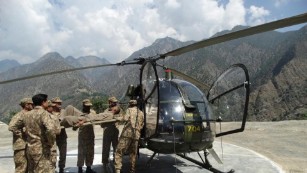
{"x": 19, "y": 137}
{"x": 50, "y": 107}
{"x": 86, "y": 141}
{"x": 110, "y": 134}
{"x": 61, "y": 139}
{"x": 40, "y": 135}
{"x": 129, "y": 138}
{"x": 57, "y": 128}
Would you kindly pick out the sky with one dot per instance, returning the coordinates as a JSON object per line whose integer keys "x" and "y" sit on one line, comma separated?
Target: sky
{"x": 114, "y": 29}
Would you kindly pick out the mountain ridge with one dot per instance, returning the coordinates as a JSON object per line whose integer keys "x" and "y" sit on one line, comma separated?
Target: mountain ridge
{"x": 272, "y": 58}
{"x": 8, "y": 64}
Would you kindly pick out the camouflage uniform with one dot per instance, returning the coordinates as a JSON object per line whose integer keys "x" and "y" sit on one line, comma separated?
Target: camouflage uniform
{"x": 19, "y": 137}
{"x": 19, "y": 144}
{"x": 128, "y": 140}
{"x": 57, "y": 129}
{"x": 110, "y": 135}
{"x": 86, "y": 146}
{"x": 86, "y": 142}
{"x": 61, "y": 139}
{"x": 61, "y": 142}
{"x": 40, "y": 138}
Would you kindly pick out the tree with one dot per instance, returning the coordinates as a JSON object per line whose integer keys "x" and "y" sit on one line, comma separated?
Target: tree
{"x": 100, "y": 103}
{"x": 7, "y": 118}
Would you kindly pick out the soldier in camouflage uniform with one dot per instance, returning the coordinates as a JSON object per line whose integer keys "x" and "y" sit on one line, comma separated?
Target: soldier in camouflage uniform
{"x": 86, "y": 141}
{"x": 19, "y": 137}
{"x": 110, "y": 134}
{"x": 40, "y": 135}
{"x": 129, "y": 138}
{"x": 61, "y": 139}
{"x": 57, "y": 129}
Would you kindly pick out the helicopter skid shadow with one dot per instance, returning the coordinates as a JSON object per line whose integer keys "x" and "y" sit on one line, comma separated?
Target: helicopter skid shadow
{"x": 160, "y": 163}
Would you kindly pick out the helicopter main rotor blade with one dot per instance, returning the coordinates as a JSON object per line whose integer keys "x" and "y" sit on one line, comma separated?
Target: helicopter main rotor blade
{"x": 238, "y": 34}
{"x": 190, "y": 79}
{"x": 54, "y": 72}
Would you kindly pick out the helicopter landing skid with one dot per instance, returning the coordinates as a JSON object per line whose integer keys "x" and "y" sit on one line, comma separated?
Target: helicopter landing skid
{"x": 205, "y": 164}
{"x": 150, "y": 159}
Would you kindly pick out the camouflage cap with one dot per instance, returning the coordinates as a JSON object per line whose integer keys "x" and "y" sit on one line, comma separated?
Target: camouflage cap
{"x": 50, "y": 103}
{"x": 87, "y": 102}
{"x": 132, "y": 102}
{"x": 56, "y": 100}
{"x": 25, "y": 101}
{"x": 113, "y": 99}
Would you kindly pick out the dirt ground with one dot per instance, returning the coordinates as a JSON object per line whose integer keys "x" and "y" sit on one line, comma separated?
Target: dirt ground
{"x": 284, "y": 142}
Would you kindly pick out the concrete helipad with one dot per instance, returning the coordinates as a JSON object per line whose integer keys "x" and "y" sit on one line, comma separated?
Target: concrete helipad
{"x": 240, "y": 159}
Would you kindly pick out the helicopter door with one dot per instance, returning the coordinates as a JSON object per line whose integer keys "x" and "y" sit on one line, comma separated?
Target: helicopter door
{"x": 149, "y": 82}
{"x": 229, "y": 96}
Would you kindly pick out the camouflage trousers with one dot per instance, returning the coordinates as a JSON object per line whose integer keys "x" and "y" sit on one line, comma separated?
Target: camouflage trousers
{"x": 85, "y": 151}
{"x": 110, "y": 135}
{"x": 62, "y": 145}
{"x": 40, "y": 163}
{"x": 126, "y": 145}
{"x": 20, "y": 160}
{"x": 53, "y": 156}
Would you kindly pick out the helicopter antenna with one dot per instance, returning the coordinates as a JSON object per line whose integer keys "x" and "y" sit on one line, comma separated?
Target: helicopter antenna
{"x": 221, "y": 138}
{"x": 174, "y": 142}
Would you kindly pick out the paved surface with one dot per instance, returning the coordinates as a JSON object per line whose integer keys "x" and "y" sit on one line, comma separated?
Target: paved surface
{"x": 234, "y": 157}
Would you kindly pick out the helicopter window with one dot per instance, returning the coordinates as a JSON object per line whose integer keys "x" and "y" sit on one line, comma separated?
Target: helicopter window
{"x": 192, "y": 92}
{"x": 170, "y": 107}
{"x": 169, "y": 92}
{"x": 196, "y": 98}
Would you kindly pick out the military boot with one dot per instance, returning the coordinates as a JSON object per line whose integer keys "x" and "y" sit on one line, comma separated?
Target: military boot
{"x": 61, "y": 170}
{"x": 132, "y": 169}
{"x": 89, "y": 170}
{"x": 105, "y": 168}
{"x": 80, "y": 169}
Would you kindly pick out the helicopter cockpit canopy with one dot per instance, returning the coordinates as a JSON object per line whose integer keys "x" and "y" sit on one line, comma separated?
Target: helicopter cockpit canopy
{"x": 170, "y": 100}
{"x": 177, "y": 98}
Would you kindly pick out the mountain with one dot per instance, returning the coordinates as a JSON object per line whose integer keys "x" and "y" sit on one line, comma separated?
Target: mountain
{"x": 7, "y": 64}
{"x": 284, "y": 95}
{"x": 117, "y": 80}
{"x": 276, "y": 63}
{"x": 92, "y": 75}
{"x": 70, "y": 86}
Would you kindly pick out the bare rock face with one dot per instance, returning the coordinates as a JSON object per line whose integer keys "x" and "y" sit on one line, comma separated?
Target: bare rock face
{"x": 284, "y": 96}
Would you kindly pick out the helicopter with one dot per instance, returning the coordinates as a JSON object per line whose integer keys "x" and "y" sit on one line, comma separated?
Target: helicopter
{"x": 181, "y": 114}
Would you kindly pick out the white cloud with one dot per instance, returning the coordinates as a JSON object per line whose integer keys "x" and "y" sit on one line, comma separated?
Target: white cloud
{"x": 111, "y": 29}
{"x": 173, "y": 4}
{"x": 257, "y": 15}
{"x": 278, "y": 3}
{"x": 8, "y": 54}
